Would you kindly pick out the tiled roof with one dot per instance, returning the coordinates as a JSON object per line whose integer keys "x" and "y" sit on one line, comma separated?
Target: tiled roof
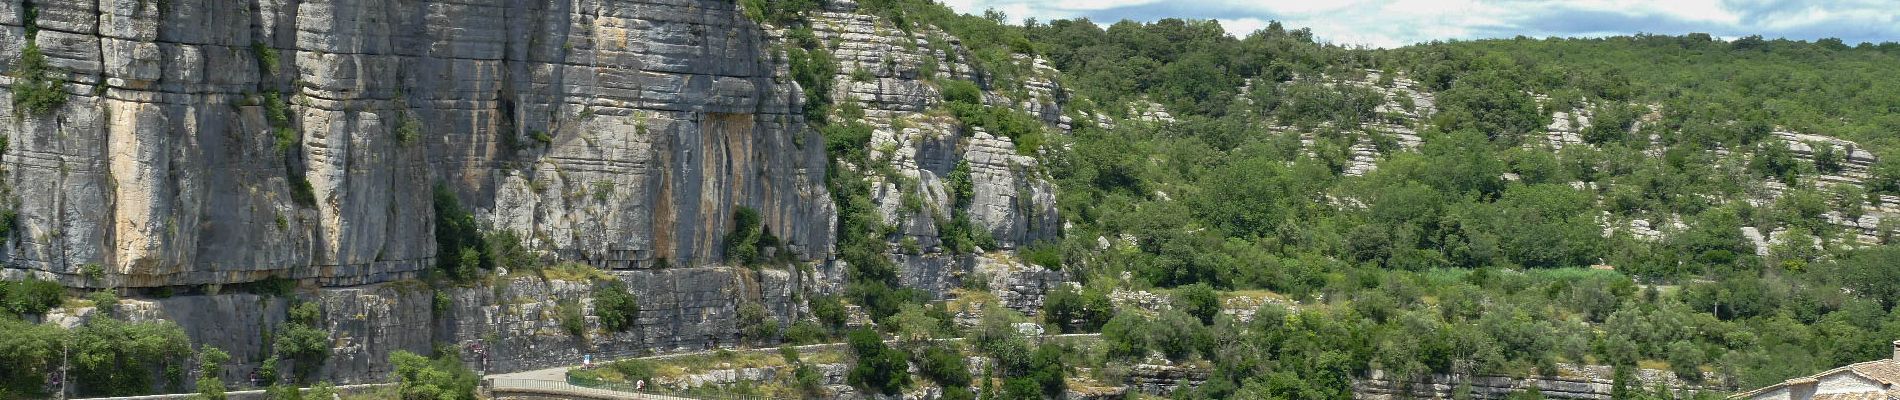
{"x": 1854, "y": 396}
{"x": 1883, "y": 371}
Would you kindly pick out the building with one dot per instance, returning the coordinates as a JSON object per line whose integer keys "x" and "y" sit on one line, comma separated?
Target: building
{"x": 1872, "y": 380}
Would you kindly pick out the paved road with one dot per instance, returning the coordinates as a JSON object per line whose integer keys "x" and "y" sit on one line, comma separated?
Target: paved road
{"x": 510, "y": 387}
{"x": 555, "y": 379}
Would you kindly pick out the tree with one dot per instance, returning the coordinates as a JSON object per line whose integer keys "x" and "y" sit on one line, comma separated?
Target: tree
{"x": 756, "y": 323}
{"x": 1198, "y": 300}
{"x": 879, "y": 369}
{"x": 1126, "y": 336}
{"x": 829, "y": 311}
{"x": 1047, "y": 370}
{"x": 458, "y": 238}
{"x": 742, "y": 244}
{"x": 117, "y": 358}
{"x": 210, "y": 372}
{"x": 945, "y": 366}
{"x": 300, "y": 341}
{"x": 30, "y": 352}
{"x": 1872, "y": 274}
{"x": 1178, "y": 335}
{"x": 1885, "y": 176}
{"x": 31, "y": 296}
{"x": 421, "y": 378}
{"x": 1074, "y": 310}
{"x": 1685, "y": 360}
{"x": 616, "y": 306}
{"x": 1490, "y": 102}
{"x": 914, "y": 325}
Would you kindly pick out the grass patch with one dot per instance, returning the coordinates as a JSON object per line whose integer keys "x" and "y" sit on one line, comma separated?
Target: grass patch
{"x": 577, "y": 272}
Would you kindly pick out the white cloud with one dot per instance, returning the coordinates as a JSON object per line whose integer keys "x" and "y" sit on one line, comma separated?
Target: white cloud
{"x": 1391, "y": 23}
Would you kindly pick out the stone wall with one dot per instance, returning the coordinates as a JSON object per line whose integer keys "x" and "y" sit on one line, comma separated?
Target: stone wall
{"x": 513, "y": 325}
{"x": 1572, "y": 382}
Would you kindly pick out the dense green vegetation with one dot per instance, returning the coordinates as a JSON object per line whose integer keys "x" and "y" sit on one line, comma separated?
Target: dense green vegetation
{"x": 108, "y": 357}
{"x": 301, "y": 340}
{"x": 616, "y": 306}
{"x": 37, "y": 87}
{"x": 1470, "y": 253}
{"x": 210, "y": 368}
{"x": 879, "y": 368}
{"x": 439, "y": 378}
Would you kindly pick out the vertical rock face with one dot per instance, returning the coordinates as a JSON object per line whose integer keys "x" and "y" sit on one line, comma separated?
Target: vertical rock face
{"x": 207, "y": 143}
{"x": 915, "y": 147}
{"x": 616, "y": 132}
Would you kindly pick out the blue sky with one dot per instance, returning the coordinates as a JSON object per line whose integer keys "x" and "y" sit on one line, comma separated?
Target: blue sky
{"x": 1393, "y": 23}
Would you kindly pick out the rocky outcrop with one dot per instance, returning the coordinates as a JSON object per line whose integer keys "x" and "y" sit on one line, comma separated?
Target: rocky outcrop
{"x": 1162, "y": 379}
{"x": 1588, "y": 382}
{"x": 620, "y": 133}
{"x": 891, "y": 73}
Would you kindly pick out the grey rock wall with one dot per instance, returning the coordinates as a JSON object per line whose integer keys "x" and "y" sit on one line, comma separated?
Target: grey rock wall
{"x": 659, "y": 118}
{"x": 617, "y": 133}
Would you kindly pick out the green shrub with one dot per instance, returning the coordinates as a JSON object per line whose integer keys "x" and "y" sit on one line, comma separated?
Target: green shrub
{"x": 105, "y": 300}
{"x": 756, "y": 324}
{"x": 31, "y": 296}
{"x": 571, "y": 318}
{"x": 210, "y": 368}
{"x": 814, "y": 70}
{"x": 1198, "y": 300}
{"x": 306, "y": 313}
{"x": 116, "y": 358}
{"x": 809, "y": 381}
{"x": 1045, "y": 254}
{"x": 804, "y": 332}
{"x": 1047, "y": 370}
{"x": 285, "y": 392}
{"x": 266, "y": 57}
{"x": 301, "y": 191}
{"x": 1077, "y": 310}
{"x": 828, "y": 309}
{"x": 742, "y": 244}
{"x": 1126, "y": 336}
{"x": 1177, "y": 335}
{"x": 634, "y": 369}
{"x": 408, "y": 129}
{"x": 961, "y": 91}
{"x": 879, "y": 368}
{"x": 456, "y": 235}
{"x": 776, "y": 11}
{"x": 305, "y": 345}
{"x": 961, "y": 188}
{"x": 847, "y": 140}
{"x": 443, "y": 378}
{"x": 616, "y": 306}
{"x": 504, "y": 249}
{"x": 945, "y": 366}
{"x": 37, "y": 88}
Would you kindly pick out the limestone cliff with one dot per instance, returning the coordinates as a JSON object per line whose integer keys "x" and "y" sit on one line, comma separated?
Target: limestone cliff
{"x": 619, "y": 133}
{"x": 213, "y": 143}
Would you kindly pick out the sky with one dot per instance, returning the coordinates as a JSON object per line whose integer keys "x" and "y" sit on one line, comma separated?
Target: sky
{"x": 1395, "y": 23}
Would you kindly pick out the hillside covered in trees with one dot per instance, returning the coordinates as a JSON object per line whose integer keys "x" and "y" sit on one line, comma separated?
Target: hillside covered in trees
{"x": 1467, "y": 243}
